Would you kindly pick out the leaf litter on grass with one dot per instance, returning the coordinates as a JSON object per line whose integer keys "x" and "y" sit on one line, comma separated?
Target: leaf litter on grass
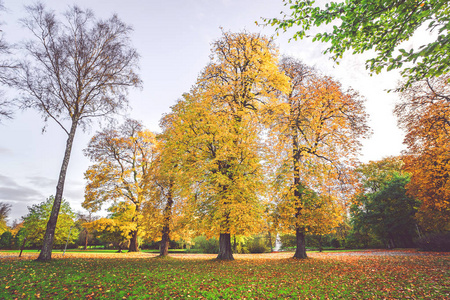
{"x": 262, "y": 276}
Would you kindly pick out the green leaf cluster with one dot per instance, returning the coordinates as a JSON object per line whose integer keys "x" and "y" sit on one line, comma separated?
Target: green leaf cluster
{"x": 378, "y": 25}
{"x": 35, "y": 223}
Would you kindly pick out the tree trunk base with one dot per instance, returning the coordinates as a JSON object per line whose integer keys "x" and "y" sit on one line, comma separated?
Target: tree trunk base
{"x": 300, "y": 251}
{"x": 164, "y": 246}
{"x": 225, "y": 252}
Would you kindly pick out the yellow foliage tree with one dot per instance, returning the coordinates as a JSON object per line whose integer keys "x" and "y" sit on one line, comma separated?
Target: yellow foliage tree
{"x": 216, "y": 135}
{"x": 117, "y": 230}
{"x": 122, "y": 171}
{"x": 312, "y": 142}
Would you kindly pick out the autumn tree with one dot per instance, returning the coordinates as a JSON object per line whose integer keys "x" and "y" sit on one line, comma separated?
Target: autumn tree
{"x": 34, "y": 223}
{"x": 424, "y": 113}
{"x": 217, "y": 134}
{"x": 313, "y": 139}
{"x": 118, "y": 229}
{"x": 376, "y": 26}
{"x": 77, "y": 69}
{"x": 5, "y": 209}
{"x": 85, "y": 235}
{"x": 122, "y": 171}
{"x": 165, "y": 189}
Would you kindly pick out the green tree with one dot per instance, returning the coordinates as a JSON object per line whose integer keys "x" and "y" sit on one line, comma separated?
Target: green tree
{"x": 6, "y": 240}
{"x": 385, "y": 211}
{"x": 34, "y": 223}
{"x": 77, "y": 69}
{"x": 379, "y": 26}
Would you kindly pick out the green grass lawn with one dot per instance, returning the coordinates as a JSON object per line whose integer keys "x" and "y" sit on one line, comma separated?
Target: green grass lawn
{"x": 266, "y": 276}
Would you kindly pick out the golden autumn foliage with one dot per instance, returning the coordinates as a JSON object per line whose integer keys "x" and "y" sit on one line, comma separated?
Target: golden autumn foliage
{"x": 117, "y": 230}
{"x": 424, "y": 113}
{"x": 313, "y": 139}
{"x": 122, "y": 171}
{"x": 216, "y": 133}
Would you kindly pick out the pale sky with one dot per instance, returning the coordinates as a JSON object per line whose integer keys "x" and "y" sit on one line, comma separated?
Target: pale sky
{"x": 174, "y": 40}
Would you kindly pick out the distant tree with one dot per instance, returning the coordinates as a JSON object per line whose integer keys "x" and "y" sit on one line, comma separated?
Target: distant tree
{"x": 78, "y": 69}
{"x": 118, "y": 229}
{"x": 424, "y": 113}
{"x": 379, "y": 26}
{"x": 382, "y": 207}
{"x": 34, "y": 223}
{"x": 5, "y": 209}
{"x": 122, "y": 171}
{"x": 6, "y": 240}
{"x": 85, "y": 235}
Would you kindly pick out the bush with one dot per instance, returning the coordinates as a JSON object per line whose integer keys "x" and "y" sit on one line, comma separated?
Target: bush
{"x": 257, "y": 245}
{"x": 6, "y": 240}
{"x": 435, "y": 242}
{"x": 204, "y": 245}
{"x": 335, "y": 243}
{"x": 288, "y": 241}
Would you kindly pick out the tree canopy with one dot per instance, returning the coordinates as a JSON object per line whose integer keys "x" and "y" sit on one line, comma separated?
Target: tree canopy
{"x": 34, "y": 223}
{"x": 379, "y": 26}
{"x": 122, "y": 170}
{"x": 424, "y": 113}
{"x": 314, "y": 136}
{"x": 216, "y": 134}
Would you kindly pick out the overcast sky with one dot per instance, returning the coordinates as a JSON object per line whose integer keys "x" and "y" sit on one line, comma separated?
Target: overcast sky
{"x": 174, "y": 40}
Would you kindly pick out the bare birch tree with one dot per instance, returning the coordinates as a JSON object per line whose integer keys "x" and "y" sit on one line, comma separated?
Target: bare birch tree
{"x": 77, "y": 69}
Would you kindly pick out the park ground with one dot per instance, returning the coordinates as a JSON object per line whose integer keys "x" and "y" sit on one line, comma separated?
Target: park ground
{"x": 373, "y": 274}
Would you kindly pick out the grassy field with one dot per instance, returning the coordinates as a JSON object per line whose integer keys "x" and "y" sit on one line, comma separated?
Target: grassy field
{"x": 359, "y": 275}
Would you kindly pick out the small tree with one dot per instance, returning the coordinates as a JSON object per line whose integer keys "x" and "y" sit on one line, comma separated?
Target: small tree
{"x": 5, "y": 208}
{"x": 118, "y": 229}
{"x": 34, "y": 223}
{"x": 78, "y": 69}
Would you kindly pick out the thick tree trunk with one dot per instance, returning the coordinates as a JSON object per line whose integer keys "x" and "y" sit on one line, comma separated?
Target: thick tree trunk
{"x": 165, "y": 239}
{"x": 164, "y": 246}
{"x": 49, "y": 237}
{"x": 300, "y": 251}
{"x": 134, "y": 242}
{"x": 134, "y": 245}
{"x": 225, "y": 252}
{"x": 320, "y": 243}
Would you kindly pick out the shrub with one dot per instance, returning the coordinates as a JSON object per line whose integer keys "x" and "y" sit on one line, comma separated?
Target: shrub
{"x": 257, "y": 245}
{"x": 288, "y": 241}
{"x": 204, "y": 245}
{"x": 335, "y": 243}
{"x": 6, "y": 240}
{"x": 435, "y": 242}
